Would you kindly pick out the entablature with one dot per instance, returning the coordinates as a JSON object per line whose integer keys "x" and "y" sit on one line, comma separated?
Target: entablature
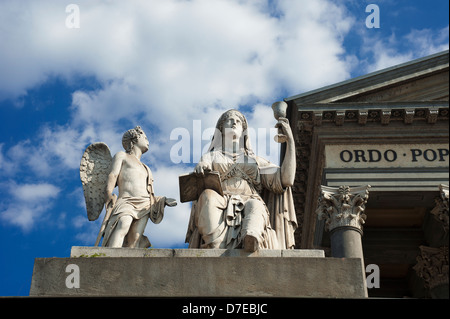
{"x": 318, "y": 114}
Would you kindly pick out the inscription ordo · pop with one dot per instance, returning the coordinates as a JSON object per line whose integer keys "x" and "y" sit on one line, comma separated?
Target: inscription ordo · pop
{"x": 389, "y": 155}
{"x": 395, "y": 155}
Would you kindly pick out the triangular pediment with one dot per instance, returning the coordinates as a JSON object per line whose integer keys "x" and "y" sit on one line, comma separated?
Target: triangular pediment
{"x": 425, "y": 79}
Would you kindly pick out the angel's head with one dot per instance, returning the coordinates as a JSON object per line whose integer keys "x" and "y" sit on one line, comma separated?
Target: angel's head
{"x": 135, "y": 136}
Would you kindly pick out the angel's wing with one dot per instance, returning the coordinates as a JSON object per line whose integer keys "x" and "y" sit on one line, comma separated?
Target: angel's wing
{"x": 95, "y": 167}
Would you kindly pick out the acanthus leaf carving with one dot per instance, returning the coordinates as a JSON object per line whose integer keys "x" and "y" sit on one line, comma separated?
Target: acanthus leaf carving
{"x": 342, "y": 206}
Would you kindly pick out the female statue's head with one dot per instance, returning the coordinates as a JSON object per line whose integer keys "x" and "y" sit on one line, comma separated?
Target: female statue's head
{"x": 229, "y": 114}
{"x": 231, "y": 124}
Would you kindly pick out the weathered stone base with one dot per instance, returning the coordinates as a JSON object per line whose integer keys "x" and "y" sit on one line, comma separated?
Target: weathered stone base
{"x": 199, "y": 273}
{"x": 87, "y": 251}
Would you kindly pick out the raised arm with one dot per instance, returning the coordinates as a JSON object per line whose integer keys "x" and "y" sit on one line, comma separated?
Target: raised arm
{"x": 288, "y": 166}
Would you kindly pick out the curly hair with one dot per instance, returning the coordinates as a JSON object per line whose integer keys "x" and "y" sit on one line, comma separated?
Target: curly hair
{"x": 130, "y": 138}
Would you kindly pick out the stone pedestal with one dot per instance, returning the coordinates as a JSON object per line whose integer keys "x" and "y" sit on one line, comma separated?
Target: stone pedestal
{"x": 97, "y": 271}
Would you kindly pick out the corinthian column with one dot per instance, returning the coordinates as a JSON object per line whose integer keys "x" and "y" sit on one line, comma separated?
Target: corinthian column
{"x": 440, "y": 211}
{"x": 432, "y": 267}
{"x": 342, "y": 208}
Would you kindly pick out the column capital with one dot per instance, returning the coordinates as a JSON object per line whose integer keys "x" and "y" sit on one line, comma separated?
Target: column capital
{"x": 432, "y": 266}
{"x": 440, "y": 211}
{"x": 342, "y": 206}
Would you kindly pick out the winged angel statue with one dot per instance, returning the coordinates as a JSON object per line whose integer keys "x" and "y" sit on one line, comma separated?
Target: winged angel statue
{"x": 126, "y": 216}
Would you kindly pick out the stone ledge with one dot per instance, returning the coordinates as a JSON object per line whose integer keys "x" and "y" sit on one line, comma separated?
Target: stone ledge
{"x": 89, "y": 251}
{"x": 315, "y": 277}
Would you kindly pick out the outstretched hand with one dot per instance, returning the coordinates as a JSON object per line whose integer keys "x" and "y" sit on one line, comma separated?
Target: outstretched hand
{"x": 170, "y": 202}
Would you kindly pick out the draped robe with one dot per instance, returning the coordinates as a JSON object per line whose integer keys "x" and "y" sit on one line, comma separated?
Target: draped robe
{"x": 227, "y": 219}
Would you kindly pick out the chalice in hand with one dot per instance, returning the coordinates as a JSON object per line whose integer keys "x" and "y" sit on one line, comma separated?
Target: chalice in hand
{"x": 279, "y": 111}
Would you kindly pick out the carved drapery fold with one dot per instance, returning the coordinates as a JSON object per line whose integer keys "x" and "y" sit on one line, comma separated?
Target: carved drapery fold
{"x": 342, "y": 206}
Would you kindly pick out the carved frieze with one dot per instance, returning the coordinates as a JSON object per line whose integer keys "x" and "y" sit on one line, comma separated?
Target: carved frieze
{"x": 432, "y": 115}
{"x": 340, "y": 113}
{"x": 362, "y": 116}
{"x": 385, "y": 116}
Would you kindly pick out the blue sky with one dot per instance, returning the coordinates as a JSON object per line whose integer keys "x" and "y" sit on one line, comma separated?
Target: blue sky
{"x": 168, "y": 66}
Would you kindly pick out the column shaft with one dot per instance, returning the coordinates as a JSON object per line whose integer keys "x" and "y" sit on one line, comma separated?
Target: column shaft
{"x": 346, "y": 243}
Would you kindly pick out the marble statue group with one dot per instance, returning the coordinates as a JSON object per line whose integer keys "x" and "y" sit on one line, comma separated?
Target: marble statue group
{"x": 254, "y": 209}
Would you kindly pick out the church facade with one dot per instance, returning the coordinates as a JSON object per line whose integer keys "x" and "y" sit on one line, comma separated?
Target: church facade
{"x": 372, "y": 174}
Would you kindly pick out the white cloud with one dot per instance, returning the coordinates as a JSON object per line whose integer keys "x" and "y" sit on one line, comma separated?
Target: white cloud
{"x": 28, "y": 203}
{"x": 162, "y": 64}
{"x": 172, "y": 229}
{"x": 386, "y": 56}
{"x": 177, "y": 53}
{"x": 427, "y": 41}
{"x": 6, "y": 165}
{"x": 34, "y": 192}
{"x": 23, "y": 216}
{"x": 86, "y": 231}
{"x": 394, "y": 50}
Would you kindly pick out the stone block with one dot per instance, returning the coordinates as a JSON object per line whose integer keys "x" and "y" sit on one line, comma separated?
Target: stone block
{"x": 197, "y": 273}
{"x": 89, "y": 251}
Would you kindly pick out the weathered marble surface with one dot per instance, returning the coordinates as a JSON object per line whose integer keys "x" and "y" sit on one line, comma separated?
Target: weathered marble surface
{"x": 178, "y": 275}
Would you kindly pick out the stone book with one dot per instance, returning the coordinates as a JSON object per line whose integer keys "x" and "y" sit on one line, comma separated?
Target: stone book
{"x": 193, "y": 184}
